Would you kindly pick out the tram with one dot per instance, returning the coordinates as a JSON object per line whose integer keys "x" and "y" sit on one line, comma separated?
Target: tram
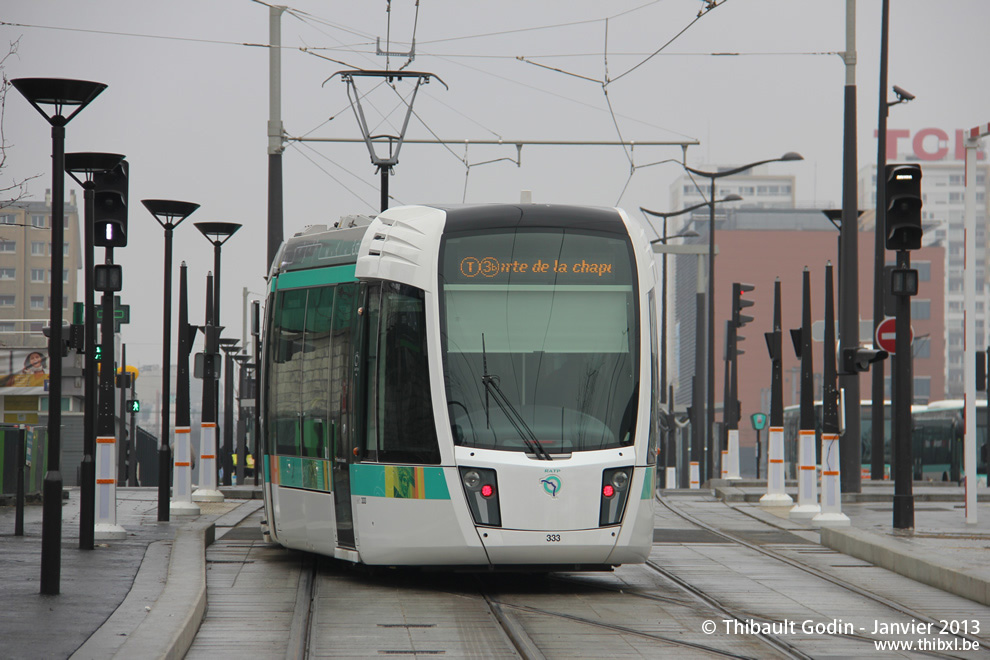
{"x": 463, "y": 386}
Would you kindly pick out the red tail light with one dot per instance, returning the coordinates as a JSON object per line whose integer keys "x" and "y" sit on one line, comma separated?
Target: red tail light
{"x": 487, "y": 490}
{"x": 608, "y": 490}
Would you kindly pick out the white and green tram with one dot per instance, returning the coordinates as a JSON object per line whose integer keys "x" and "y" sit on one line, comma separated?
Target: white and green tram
{"x": 463, "y": 386}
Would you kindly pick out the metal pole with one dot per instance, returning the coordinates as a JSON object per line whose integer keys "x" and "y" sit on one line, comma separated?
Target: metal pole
{"x": 878, "y": 437}
{"x": 164, "y": 450}
{"x": 850, "y": 453}
{"x": 106, "y": 441}
{"x": 87, "y": 469}
{"x": 275, "y": 220}
{"x": 182, "y": 503}
{"x": 51, "y": 526}
{"x": 132, "y": 478}
{"x": 710, "y": 360}
{"x": 383, "y": 171}
{"x": 124, "y": 445}
{"x": 698, "y": 395}
{"x": 19, "y": 502}
{"x": 259, "y": 453}
{"x": 901, "y": 413}
{"x": 228, "y": 418}
{"x": 663, "y": 317}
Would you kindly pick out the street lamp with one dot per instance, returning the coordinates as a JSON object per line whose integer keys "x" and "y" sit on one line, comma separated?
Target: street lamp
{"x": 217, "y": 233}
{"x": 169, "y": 213}
{"x": 60, "y": 93}
{"x": 86, "y": 166}
{"x": 670, "y": 448}
{"x": 710, "y": 379}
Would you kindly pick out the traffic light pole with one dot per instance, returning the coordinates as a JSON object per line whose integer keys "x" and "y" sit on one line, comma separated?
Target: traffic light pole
{"x": 901, "y": 411}
{"x": 106, "y": 527}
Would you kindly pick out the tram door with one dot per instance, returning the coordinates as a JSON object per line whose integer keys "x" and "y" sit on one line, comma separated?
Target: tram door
{"x": 345, "y": 385}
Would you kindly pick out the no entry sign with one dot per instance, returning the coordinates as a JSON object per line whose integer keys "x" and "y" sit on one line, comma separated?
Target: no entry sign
{"x": 887, "y": 335}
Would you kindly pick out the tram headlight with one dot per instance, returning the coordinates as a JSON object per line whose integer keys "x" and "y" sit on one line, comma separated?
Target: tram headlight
{"x": 481, "y": 490}
{"x": 615, "y": 492}
{"x": 472, "y": 480}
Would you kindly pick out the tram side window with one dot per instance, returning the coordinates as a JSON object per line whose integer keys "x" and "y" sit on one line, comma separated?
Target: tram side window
{"x": 289, "y": 327}
{"x": 345, "y": 317}
{"x": 315, "y": 372}
{"x": 406, "y": 429}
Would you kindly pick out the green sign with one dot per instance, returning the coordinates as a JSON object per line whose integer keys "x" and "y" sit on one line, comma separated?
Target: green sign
{"x": 134, "y": 405}
{"x": 121, "y": 313}
{"x": 759, "y": 420}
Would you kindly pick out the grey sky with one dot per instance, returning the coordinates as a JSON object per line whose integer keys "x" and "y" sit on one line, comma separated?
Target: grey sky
{"x": 189, "y": 108}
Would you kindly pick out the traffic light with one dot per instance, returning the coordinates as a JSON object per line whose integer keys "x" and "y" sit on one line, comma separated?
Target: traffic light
{"x": 110, "y": 207}
{"x": 855, "y": 360}
{"x": 133, "y": 405}
{"x": 903, "y": 204}
{"x": 738, "y": 318}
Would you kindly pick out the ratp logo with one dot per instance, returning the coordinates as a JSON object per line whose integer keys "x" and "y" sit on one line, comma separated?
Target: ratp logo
{"x": 551, "y": 485}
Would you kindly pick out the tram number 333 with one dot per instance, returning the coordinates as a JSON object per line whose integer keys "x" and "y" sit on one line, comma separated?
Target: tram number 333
{"x": 553, "y": 538}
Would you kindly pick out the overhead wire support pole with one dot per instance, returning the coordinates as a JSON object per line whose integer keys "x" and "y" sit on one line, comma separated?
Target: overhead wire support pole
{"x": 848, "y": 292}
{"x": 275, "y": 133}
{"x": 969, "y": 296}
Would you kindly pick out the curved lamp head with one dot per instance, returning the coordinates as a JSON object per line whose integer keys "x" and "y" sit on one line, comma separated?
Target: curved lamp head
{"x": 58, "y": 92}
{"x": 88, "y": 162}
{"x": 730, "y": 198}
{"x": 169, "y": 212}
{"x": 790, "y": 155}
{"x": 217, "y": 232}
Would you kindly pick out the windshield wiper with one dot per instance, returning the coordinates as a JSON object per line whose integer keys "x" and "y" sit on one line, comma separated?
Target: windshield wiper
{"x": 515, "y": 419}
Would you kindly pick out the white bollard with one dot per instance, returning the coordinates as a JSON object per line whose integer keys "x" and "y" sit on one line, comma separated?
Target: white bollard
{"x": 733, "y": 472}
{"x": 671, "y": 477}
{"x": 807, "y": 506}
{"x": 725, "y": 464}
{"x": 831, "y": 515}
{"x": 105, "y": 525}
{"x": 182, "y": 504}
{"x": 775, "y": 470}
{"x": 208, "y": 491}
{"x": 694, "y": 475}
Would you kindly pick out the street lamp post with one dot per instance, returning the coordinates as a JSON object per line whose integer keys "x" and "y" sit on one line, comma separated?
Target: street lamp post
{"x": 87, "y": 165}
{"x": 710, "y": 403}
{"x": 59, "y": 93}
{"x": 670, "y": 448}
{"x": 217, "y": 233}
{"x": 169, "y": 213}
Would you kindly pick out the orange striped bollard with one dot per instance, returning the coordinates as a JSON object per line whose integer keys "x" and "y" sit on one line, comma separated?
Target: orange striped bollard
{"x": 105, "y": 525}
{"x": 775, "y": 470}
{"x": 807, "y": 506}
{"x": 182, "y": 504}
{"x": 831, "y": 515}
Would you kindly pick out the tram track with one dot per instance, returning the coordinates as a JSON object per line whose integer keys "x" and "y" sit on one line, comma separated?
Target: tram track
{"x": 811, "y": 570}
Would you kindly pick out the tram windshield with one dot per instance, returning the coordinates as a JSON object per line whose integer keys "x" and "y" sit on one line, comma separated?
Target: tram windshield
{"x": 540, "y": 339}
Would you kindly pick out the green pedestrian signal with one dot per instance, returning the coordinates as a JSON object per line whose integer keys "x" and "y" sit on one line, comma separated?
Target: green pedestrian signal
{"x": 98, "y": 354}
{"x": 134, "y": 406}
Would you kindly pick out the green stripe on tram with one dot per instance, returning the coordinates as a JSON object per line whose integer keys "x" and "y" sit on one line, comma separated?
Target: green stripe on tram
{"x": 298, "y": 279}
{"x": 647, "y": 493}
{"x": 398, "y": 481}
